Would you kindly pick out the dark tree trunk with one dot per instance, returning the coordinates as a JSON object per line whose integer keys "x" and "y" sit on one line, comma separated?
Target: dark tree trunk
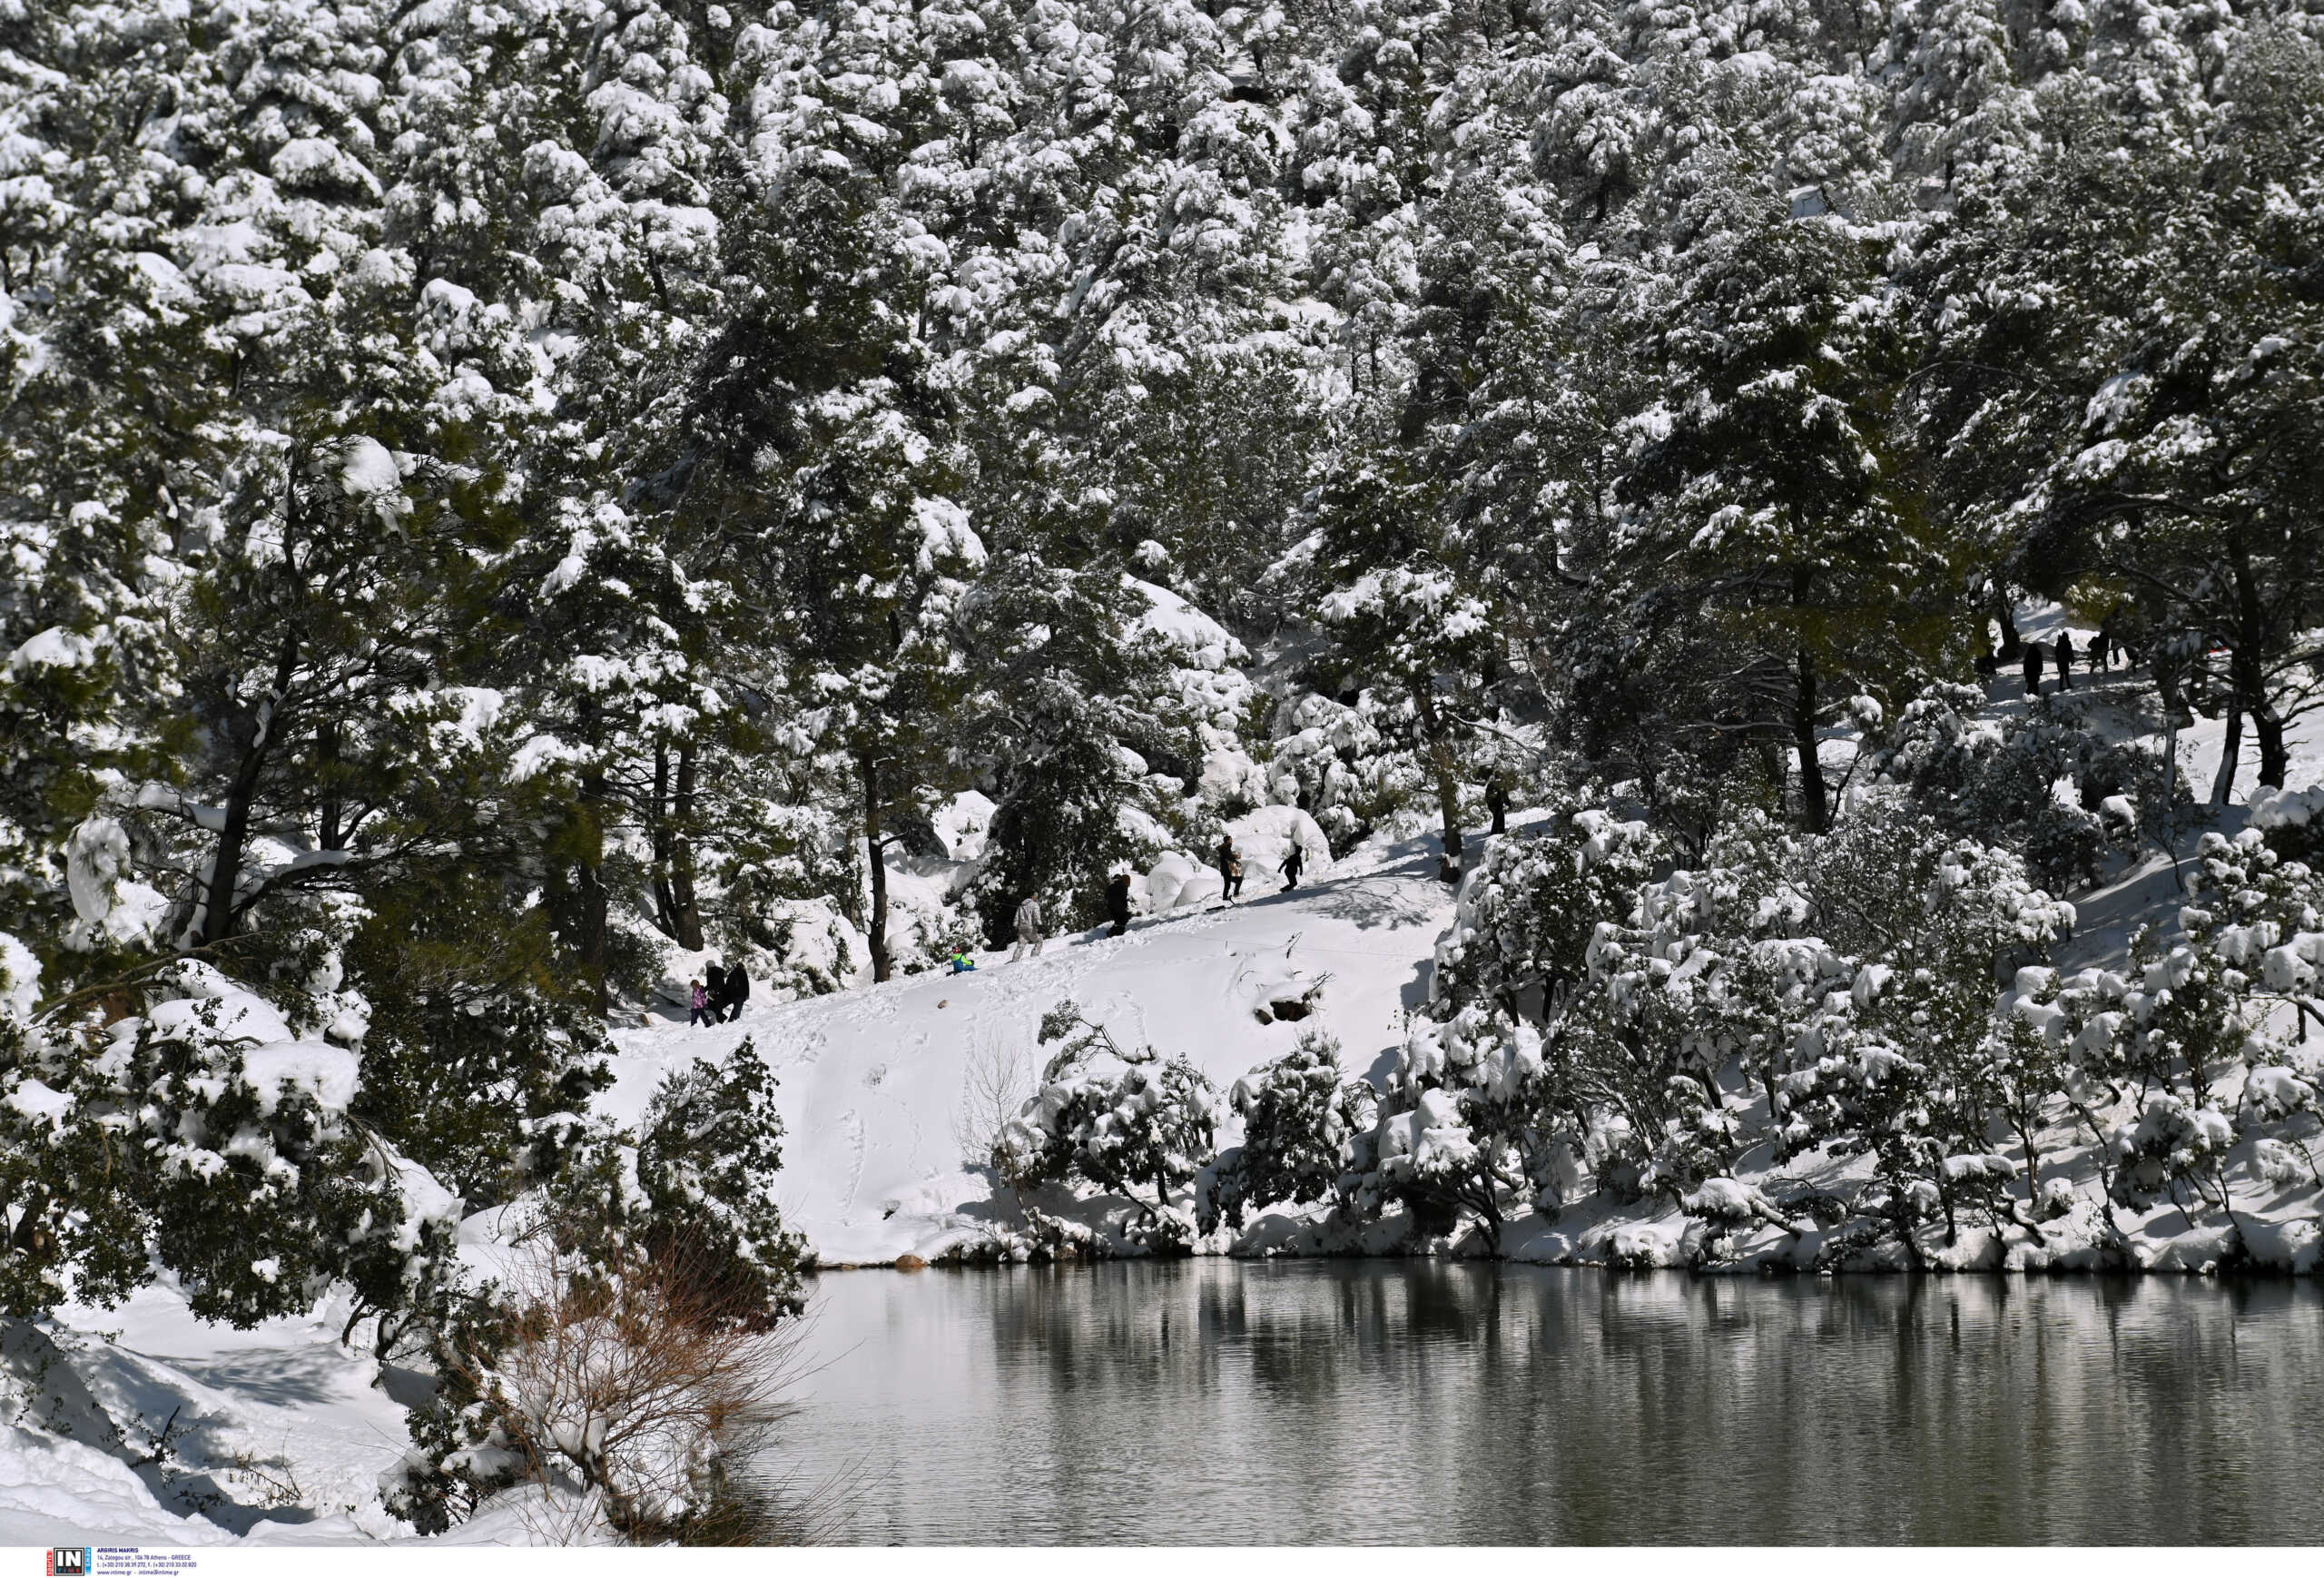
{"x": 2247, "y": 695}
{"x": 682, "y": 894}
{"x": 666, "y": 918}
{"x": 332, "y": 834}
{"x": 1448, "y": 786}
{"x": 593, "y": 906}
{"x": 2223, "y": 785}
{"x": 589, "y": 879}
{"x": 876, "y": 924}
{"x": 218, "y": 917}
{"x": 2249, "y": 690}
{"x": 1812, "y": 811}
{"x": 226, "y": 861}
{"x": 2275, "y": 756}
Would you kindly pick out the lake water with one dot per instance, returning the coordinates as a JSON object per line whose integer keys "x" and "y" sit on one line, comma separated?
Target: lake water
{"x": 1222, "y": 1402}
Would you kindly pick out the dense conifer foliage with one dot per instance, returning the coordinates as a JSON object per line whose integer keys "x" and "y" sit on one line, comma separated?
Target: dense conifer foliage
{"x": 494, "y": 494}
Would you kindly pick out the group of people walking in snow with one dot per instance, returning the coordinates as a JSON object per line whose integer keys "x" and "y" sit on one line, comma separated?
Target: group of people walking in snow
{"x": 1230, "y": 866}
{"x": 2100, "y": 654}
{"x": 1026, "y": 922}
{"x": 721, "y": 996}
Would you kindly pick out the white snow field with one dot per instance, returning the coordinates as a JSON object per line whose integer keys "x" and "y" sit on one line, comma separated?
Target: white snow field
{"x": 279, "y": 1431}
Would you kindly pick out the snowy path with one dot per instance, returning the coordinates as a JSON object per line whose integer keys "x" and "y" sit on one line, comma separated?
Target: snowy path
{"x": 873, "y": 1081}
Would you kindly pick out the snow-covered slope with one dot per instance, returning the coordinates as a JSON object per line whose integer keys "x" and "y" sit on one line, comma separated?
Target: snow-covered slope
{"x": 878, "y": 1085}
{"x": 117, "y": 1422}
{"x": 876, "y": 1082}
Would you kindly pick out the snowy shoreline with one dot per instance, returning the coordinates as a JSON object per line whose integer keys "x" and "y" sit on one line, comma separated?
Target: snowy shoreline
{"x": 871, "y": 1088}
{"x": 875, "y": 1082}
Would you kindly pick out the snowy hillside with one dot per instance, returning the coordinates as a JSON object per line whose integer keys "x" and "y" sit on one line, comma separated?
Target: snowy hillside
{"x": 282, "y": 1434}
{"x": 875, "y": 1082}
{"x": 878, "y": 1083}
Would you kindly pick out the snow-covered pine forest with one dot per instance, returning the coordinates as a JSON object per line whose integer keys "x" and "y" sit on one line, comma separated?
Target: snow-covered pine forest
{"x": 506, "y": 503}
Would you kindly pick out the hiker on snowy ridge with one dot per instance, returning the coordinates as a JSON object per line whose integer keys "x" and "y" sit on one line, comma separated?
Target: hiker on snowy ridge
{"x": 1292, "y": 859}
{"x": 1118, "y": 904}
{"x": 701, "y": 998}
{"x": 1028, "y": 929}
{"x": 1230, "y": 866}
{"x": 2033, "y": 668}
{"x": 738, "y": 991}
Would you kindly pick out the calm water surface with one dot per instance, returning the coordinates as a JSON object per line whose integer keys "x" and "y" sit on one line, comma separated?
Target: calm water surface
{"x": 1217, "y": 1401}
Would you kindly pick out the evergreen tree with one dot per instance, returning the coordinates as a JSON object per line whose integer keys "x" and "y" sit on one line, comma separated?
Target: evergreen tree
{"x": 1067, "y": 689}
{"x": 1765, "y": 477}
{"x": 1379, "y": 568}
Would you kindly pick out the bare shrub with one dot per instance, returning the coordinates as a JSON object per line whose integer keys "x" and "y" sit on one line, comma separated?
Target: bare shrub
{"x": 994, "y": 1088}
{"x": 627, "y": 1391}
{"x": 266, "y": 1482}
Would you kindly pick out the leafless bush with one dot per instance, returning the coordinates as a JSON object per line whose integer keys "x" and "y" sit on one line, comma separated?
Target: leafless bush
{"x": 995, "y": 1083}
{"x": 628, "y": 1393}
{"x": 269, "y": 1481}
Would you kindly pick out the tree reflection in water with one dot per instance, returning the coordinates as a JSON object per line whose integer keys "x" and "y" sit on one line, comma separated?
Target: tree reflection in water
{"x": 1350, "y": 1401}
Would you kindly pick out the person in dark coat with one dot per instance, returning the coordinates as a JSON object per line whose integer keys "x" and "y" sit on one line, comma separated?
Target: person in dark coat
{"x": 1230, "y": 866}
{"x": 738, "y": 991}
{"x": 1293, "y": 859}
{"x": 2033, "y": 668}
{"x": 1118, "y": 904}
{"x": 2098, "y": 645}
{"x": 2065, "y": 660}
{"x": 713, "y": 987}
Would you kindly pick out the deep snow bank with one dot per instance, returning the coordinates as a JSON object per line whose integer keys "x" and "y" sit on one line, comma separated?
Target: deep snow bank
{"x": 144, "y": 1423}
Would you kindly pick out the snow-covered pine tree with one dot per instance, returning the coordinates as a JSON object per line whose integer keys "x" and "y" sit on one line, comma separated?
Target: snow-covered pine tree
{"x": 825, "y": 474}
{"x": 1129, "y": 1121}
{"x": 1068, "y": 687}
{"x": 1764, "y": 501}
{"x": 1382, "y": 578}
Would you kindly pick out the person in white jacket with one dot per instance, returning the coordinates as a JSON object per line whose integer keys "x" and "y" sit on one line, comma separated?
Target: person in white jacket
{"x": 1028, "y": 929}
